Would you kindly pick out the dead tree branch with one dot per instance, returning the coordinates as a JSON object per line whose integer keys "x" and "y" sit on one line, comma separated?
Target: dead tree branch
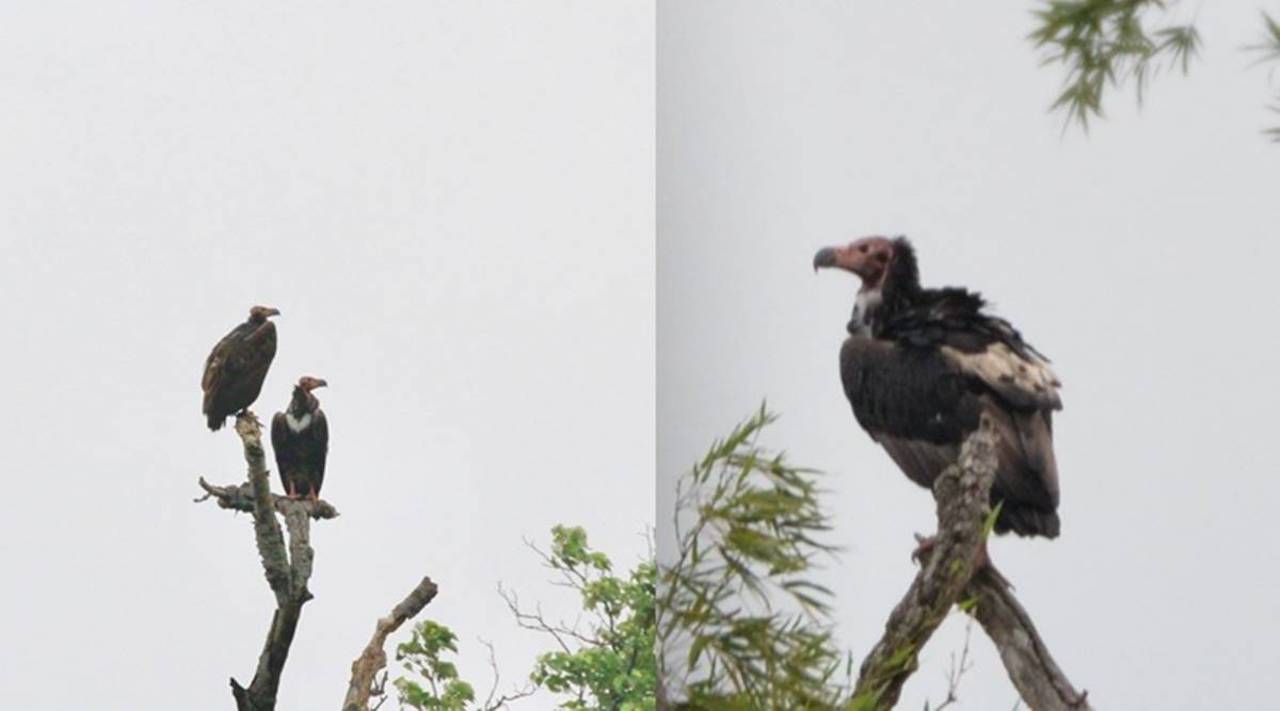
{"x": 239, "y": 497}
{"x": 287, "y": 568}
{"x": 1035, "y": 675}
{"x": 947, "y": 575}
{"x": 364, "y": 670}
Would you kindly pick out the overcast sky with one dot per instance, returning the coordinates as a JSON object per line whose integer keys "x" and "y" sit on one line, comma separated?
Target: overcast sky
{"x": 451, "y": 203}
{"x": 1140, "y": 258}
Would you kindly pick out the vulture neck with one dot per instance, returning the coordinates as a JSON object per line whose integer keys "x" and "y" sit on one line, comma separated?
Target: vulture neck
{"x": 896, "y": 291}
{"x": 303, "y": 403}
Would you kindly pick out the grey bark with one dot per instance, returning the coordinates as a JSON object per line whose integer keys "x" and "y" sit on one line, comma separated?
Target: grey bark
{"x": 287, "y": 568}
{"x": 364, "y": 670}
{"x": 1035, "y": 675}
{"x": 950, "y": 574}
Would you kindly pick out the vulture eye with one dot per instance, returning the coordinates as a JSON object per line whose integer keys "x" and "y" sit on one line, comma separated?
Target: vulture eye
{"x": 862, "y": 248}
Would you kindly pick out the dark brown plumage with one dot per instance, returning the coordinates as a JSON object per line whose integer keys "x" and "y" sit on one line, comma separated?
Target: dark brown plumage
{"x": 237, "y": 366}
{"x": 921, "y": 367}
{"x": 300, "y": 437}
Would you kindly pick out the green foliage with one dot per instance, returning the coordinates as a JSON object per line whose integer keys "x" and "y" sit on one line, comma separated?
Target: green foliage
{"x": 1106, "y": 43}
{"x": 989, "y": 523}
{"x": 1109, "y": 43}
{"x": 1269, "y": 51}
{"x": 424, "y": 654}
{"x": 607, "y": 664}
{"x": 611, "y": 664}
{"x": 747, "y": 525}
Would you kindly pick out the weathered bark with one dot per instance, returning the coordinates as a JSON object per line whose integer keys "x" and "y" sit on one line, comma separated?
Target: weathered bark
{"x": 287, "y": 569}
{"x": 374, "y": 658}
{"x": 239, "y": 497}
{"x": 1032, "y": 670}
{"x": 948, "y": 575}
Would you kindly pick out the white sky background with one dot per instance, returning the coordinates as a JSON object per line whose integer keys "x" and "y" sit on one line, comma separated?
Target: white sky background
{"x": 1140, "y": 258}
{"x": 452, "y": 204}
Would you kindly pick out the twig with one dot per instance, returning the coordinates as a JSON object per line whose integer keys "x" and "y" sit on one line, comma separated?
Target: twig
{"x": 494, "y": 702}
{"x": 536, "y": 622}
{"x": 957, "y": 671}
{"x": 374, "y": 658}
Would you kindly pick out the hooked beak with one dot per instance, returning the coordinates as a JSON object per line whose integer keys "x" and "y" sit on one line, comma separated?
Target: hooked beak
{"x": 321, "y": 383}
{"x": 273, "y": 312}
{"x": 826, "y": 257}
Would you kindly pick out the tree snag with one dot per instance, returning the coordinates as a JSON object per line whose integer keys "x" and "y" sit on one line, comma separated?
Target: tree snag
{"x": 287, "y": 568}
{"x": 949, "y": 575}
{"x": 364, "y": 670}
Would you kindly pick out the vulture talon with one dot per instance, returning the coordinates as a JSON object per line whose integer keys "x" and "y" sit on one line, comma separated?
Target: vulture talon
{"x": 923, "y": 549}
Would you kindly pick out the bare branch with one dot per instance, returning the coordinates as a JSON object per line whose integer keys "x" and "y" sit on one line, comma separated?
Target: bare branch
{"x": 1026, "y": 658}
{"x": 239, "y": 497}
{"x": 957, "y": 671}
{"x": 380, "y": 691}
{"x": 373, "y": 659}
{"x": 536, "y": 622}
{"x": 494, "y": 702}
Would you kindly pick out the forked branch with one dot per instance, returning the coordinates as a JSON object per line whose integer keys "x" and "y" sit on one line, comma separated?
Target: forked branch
{"x": 364, "y": 670}
{"x": 287, "y": 568}
{"x": 949, "y": 575}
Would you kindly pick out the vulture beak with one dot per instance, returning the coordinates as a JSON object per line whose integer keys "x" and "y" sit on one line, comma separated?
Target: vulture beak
{"x": 322, "y": 383}
{"x": 826, "y": 257}
{"x": 273, "y": 312}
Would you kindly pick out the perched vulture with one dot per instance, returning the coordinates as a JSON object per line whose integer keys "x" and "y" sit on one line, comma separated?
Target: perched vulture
{"x": 300, "y": 436}
{"x": 921, "y": 366}
{"x": 236, "y": 367}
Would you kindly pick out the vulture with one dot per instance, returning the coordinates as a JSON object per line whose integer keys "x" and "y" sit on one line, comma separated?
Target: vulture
{"x": 236, "y": 367}
{"x": 300, "y": 436}
{"x": 921, "y": 366}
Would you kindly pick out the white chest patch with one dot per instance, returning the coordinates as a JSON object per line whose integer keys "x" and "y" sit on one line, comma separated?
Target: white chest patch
{"x": 297, "y": 424}
{"x": 866, "y": 302}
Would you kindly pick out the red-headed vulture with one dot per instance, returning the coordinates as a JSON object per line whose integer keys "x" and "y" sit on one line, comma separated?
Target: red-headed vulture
{"x": 921, "y": 366}
{"x": 300, "y": 437}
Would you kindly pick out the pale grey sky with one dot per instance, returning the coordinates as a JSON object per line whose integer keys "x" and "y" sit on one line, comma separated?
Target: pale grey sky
{"x": 1139, "y": 258}
{"x": 451, "y": 203}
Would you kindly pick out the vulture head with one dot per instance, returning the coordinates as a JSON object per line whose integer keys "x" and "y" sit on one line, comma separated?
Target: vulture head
{"x": 309, "y": 383}
{"x": 887, "y": 268}
{"x": 878, "y": 261}
{"x": 259, "y": 314}
{"x": 303, "y": 401}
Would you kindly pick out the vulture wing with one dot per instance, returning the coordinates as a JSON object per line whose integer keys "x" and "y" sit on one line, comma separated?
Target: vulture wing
{"x": 987, "y": 348}
{"x": 318, "y": 447}
{"x": 217, "y": 364}
{"x": 920, "y": 403}
{"x": 252, "y": 355}
{"x": 281, "y": 442}
{"x": 913, "y": 393}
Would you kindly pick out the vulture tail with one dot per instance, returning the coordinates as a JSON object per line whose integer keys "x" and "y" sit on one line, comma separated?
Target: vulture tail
{"x": 1028, "y": 521}
{"x": 216, "y": 423}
